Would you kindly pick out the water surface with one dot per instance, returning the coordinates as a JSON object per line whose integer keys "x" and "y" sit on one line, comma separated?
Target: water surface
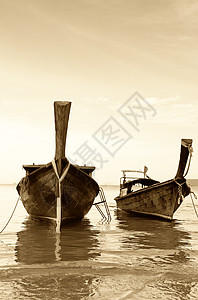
{"x": 130, "y": 258}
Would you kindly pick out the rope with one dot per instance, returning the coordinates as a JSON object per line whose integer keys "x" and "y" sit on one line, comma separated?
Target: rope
{"x": 179, "y": 191}
{"x": 193, "y": 202}
{"x": 11, "y": 215}
{"x": 60, "y": 179}
{"x": 190, "y": 149}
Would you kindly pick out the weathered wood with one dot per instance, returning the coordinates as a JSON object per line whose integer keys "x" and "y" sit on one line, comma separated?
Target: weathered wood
{"x": 160, "y": 199}
{"x": 184, "y": 153}
{"x": 41, "y": 186}
{"x": 61, "y": 115}
{"x": 37, "y": 191}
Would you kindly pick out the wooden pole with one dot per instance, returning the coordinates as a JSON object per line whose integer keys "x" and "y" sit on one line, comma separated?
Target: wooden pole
{"x": 58, "y": 215}
{"x": 61, "y": 115}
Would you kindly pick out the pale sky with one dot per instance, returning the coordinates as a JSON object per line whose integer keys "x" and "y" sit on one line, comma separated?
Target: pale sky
{"x": 97, "y": 54}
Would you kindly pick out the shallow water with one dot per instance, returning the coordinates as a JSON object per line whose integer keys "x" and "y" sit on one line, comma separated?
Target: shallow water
{"x": 130, "y": 258}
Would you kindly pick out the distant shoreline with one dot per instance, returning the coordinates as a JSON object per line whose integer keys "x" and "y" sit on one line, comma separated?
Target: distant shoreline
{"x": 8, "y": 183}
{"x": 100, "y": 184}
{"x": 192, "y": 181}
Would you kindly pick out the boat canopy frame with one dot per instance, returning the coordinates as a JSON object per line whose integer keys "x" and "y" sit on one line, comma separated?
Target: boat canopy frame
{"x": 129, "y": 181}
{"x": 125, "y": 177}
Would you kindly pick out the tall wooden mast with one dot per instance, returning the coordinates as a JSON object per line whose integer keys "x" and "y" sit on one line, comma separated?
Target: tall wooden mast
{"x": 61, "y": 115}
{"x": 186, "y": 145}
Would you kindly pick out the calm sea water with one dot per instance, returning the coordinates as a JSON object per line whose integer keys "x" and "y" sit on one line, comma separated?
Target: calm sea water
{"x": 130, "y": 258}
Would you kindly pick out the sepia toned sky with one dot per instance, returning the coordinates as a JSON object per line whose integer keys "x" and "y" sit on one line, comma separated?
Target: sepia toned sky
{"x": 97, "y": 54}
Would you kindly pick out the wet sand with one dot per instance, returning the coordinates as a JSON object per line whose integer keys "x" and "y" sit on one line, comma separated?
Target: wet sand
{"x": 94, "y": 280}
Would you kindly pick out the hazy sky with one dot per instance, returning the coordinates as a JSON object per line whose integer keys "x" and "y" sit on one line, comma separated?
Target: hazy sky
{"x": 97, "y": 54}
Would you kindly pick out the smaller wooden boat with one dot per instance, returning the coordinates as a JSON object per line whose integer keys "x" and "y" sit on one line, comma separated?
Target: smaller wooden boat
{"x": 155, "y": 199}
{"x": 58, "y": 191}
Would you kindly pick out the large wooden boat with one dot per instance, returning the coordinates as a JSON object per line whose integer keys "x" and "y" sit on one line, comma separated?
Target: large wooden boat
{"x": 155, "y": 199}
{"x": 58, "y": 191}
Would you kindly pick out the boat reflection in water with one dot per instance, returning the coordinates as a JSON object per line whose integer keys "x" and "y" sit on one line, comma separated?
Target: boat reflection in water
{"x": 165, "y": 239}
{"x": 38, "y": 242}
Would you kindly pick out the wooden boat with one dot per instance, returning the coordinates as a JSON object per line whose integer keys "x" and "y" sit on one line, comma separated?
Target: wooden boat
{"x": 58, "y": 191}
{"x": 155, "y": 199}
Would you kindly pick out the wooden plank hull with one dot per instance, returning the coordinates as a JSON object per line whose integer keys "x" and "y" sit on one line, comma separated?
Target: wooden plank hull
{"x": 159, "y": 200}
{"x": 38, "y": 191}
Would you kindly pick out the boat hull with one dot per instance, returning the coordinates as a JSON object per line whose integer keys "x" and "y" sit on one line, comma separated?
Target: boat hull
{"x": 160, "y": 200}
{"x": 39, "y": 191}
